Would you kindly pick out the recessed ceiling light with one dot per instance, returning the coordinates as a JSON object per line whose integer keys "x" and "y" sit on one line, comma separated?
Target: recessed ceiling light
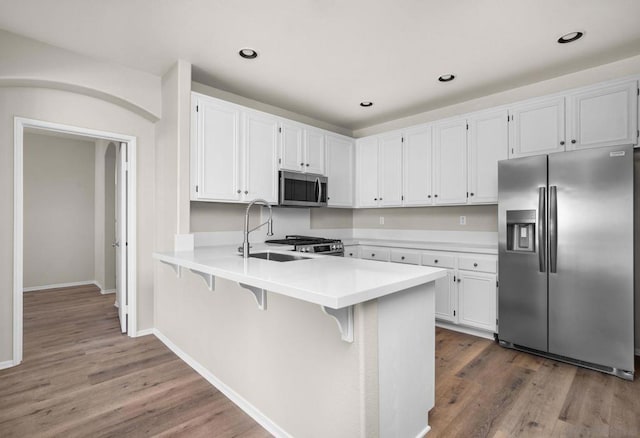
{"x": 366, "y": 104}
{"x": 570, "y": 37}
{"x": 446, "y": 78}
{"x": 248, "y": 53}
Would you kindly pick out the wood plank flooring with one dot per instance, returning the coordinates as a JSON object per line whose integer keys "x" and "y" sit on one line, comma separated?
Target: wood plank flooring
{"x": 81, "y": 377}
{"x": 484, "y": 390}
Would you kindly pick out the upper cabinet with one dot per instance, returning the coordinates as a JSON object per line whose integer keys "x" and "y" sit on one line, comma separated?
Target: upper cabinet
{"x": 379, "y": 171}
{"x": 417, "y": 166}
{"x": 604, "y": 116}
{"x": 234, "y": 152}
{"x": 537, "y": 128}
{"x": 340, "y": 168}
{"x": 488, "y": 143}
{"x": 302, "y": 149}
{"x": 450, "y": 162}
{"x": 215, "y": 130}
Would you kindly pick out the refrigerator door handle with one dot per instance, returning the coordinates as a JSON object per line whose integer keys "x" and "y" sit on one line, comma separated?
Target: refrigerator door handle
{"x": 553, "y": 229}
{"x": 542, "y": 232}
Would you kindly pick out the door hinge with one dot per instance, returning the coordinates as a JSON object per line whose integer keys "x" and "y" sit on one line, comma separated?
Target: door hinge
{"x": 454, "y": 278}
{"x": 280, "y": 129}
{"x": 279, "y": 160}
{"x": 638, "y": 133}
{"x": 467, "y": 194}
{"x": 507, "y": 118}
{"x": 402, "y": 198}
{"x": 125, "y": 166}
{"x": 638, "y": 91}
{"x": 401, "y": 139}
{"x": 497, "y": 283}
{"x": 454, "y": 313}
{"x": 512, "y": 150}
{"x": 467, "y": 126}
{"x": 197, "y": 108}
{"x": 196, "y": 189}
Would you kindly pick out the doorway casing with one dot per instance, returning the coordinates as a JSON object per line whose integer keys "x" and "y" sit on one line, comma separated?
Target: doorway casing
{"x": 20, "y": 124}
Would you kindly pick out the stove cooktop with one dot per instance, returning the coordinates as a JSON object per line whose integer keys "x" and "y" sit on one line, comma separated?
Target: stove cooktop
{"x": 301, "y": 240}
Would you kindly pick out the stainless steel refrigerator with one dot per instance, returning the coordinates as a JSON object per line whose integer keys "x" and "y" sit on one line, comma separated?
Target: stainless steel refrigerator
{"x": 566, "y": 257}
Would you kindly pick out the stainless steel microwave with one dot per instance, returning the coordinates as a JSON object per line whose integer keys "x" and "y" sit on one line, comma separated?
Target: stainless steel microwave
{"x": 302, "y": 189}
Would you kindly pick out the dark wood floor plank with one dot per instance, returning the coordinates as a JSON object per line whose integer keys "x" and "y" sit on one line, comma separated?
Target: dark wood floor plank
{"x": 81, "y": 377}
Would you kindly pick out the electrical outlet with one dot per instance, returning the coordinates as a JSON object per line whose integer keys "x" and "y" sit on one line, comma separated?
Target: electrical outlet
{"x": 381, "y": 220}
{"x": 463, "y": 220}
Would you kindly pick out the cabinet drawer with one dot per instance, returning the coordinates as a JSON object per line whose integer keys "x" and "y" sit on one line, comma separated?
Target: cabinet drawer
{"x": 375, "y": 253}
{"x": 352, "y": 251}
{"x": 479, "y": 264}
{"x": 438, "y": 260}
{"x": 410, "y": 257}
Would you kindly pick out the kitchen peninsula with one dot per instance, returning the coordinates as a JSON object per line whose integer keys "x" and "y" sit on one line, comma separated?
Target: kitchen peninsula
{"x": 368, "y": 364}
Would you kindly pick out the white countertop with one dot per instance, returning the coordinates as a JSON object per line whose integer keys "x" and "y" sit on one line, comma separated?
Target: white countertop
{"x": 329, "y": 281}
{"x": 479, "y": 248}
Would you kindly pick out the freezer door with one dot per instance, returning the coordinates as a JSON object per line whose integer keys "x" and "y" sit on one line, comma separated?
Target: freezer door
{"x": 591, "y": 256}
{"x": 522, "y": 294}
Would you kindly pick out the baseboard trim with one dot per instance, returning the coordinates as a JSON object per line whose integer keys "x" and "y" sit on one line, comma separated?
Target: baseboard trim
{"x": 59, "y": 285}
{"x": 7, "y": 364}
{"x": 466, "y": 330}
{"x": 108, "y": 291}
{"x": 424, "y": 432}
{"x": 146, "y": 332}
{"x": 236, "y": 398}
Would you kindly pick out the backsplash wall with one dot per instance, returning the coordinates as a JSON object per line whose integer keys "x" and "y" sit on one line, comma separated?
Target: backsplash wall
{"x": 478, "y": 218}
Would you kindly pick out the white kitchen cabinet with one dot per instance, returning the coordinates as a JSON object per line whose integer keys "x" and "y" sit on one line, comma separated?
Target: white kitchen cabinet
{"x": 447, "y": 298}
{"x": 340, "y": 169}
{"x": 488, "y": 143}
{"x": 235, "y": 152}
{"x": 291, "y": 146}
{"x": 417, "y": 174}
{"x": 215, "y": 171}
{"x": 477, "y": 300}
{"x": 537, "y": 127}
{"x": 367, "y": 172}
{"x": 302, "y": 149}
{"x": 314, "y": 151}
{"x": 260, "y": 169}
{"x": 375, "y": 253}
{"x": 450, "y": 162}
{"x": 352, "y": 251}
{"x": 390, "y": 170}
{"x": 603, "y": 116}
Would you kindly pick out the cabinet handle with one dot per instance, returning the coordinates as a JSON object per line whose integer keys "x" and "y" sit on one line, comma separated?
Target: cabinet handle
{"x": 435, "y": 196}
{"x": 350, "y": 254}
{"x": 381, "y": 199}
{"x": 435, "y": 261}
{"x": 375, "y": 199}
{"x": 471, "y": 193}
{"x": 562, "y": 143}
{"x": 246, "y": 192}
{"x": 402, "y": 258}
{"x": 373, "y": 255}
{"x": 302, "y": 164}
{"x": 239, "y": 191}
{"x": 573, "y": 141}
{"x": 475, "y": 265}
{"x": 428, "y": 196}
{"x": 459, "y": 280}
{"x": 307, "y": 164}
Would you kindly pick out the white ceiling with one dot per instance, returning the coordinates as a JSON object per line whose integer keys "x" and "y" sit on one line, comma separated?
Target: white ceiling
{"x": 321, "y": 58}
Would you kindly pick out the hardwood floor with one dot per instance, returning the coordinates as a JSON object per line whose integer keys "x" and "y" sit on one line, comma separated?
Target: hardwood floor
{"x": 81, "y": 377}
{"x": 484, "y": 390}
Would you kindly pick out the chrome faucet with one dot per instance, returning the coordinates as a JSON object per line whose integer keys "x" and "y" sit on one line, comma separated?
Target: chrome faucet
{"x": 269, "y": 223}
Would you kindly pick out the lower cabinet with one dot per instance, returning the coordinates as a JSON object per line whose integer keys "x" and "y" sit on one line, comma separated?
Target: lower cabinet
{"x": 477, "y": 300}
{"x": 447, "y": 298}
{"x": 352, "y": 251}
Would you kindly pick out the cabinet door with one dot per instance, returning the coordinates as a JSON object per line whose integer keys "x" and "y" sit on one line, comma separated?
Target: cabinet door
{"x": 314, "y": 151}
{"x": 291, "y": 147}
{"x": 537, "y": 128}
{"x": 390, "y": 170}
{"x": 488, "y": 143}
{"x": 339, "y": 172}
{"x": 606, "y": 116}
{"x": 447, "y": 298}
{"x": 450, "y": 162}
{"x": 367, "y": 172}
{"x": 477, "y": 300}
{"x": 417, "y": 167}
{"x": 352, "y": 251}
{"x": 218, "y": 147}
{"x": 260, "y": 152}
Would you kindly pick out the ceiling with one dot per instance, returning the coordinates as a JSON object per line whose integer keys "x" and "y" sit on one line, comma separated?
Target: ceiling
{"x": 321, "y": 58}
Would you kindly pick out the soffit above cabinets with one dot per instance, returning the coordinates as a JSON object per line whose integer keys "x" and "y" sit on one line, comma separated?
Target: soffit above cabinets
{"x": 322, "y": 58}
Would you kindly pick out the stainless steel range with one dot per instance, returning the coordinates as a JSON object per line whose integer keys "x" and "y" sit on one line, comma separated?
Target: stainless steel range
{"x": 308, "y": 244}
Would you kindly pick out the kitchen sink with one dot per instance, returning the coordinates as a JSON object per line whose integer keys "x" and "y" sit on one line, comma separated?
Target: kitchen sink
{"x": 277, "y": 257}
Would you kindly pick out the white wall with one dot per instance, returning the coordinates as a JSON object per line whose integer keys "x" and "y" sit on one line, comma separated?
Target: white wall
{"x": 26, "y": 62}
{"x": 58, "y": 210}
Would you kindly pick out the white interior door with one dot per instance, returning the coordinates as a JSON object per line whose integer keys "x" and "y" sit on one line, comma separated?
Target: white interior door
{"x": 121, "y": 235}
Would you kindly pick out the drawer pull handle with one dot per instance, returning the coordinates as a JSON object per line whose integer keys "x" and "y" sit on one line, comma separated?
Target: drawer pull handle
{"x": 373, "y": 255}
{"x": 402, "y": 258}
{"x": 475, "y": 265}
{"x": 435, "y": 261}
